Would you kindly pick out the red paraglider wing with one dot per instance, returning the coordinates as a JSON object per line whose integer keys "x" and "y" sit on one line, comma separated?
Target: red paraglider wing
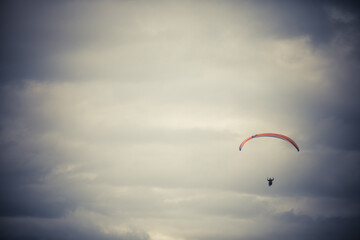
{"x": 283, "y": 137}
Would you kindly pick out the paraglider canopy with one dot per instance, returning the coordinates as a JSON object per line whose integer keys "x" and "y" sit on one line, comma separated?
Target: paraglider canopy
{"x": 275, "y": 135}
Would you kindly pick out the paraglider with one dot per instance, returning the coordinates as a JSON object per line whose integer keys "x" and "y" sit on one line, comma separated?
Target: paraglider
{"x": 275, "y": 135}
{"x": 270, "y": 180}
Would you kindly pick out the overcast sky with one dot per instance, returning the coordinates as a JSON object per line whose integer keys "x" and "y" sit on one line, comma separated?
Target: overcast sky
{"x": 122, "y": 120}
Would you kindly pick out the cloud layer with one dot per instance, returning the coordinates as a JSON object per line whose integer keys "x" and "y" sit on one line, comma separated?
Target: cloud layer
{"x": 122, "y": 120}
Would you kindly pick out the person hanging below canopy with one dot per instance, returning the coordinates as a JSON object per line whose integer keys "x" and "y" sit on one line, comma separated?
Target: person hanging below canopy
{"x": 270, "y": 180}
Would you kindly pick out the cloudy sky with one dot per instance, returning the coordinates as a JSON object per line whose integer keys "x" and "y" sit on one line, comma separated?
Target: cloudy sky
{"x": 122, "y": 120}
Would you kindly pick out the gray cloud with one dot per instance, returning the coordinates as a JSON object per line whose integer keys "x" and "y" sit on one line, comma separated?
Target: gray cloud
{"x": 23, "y": 228}
{"x": 121, "y": 120}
